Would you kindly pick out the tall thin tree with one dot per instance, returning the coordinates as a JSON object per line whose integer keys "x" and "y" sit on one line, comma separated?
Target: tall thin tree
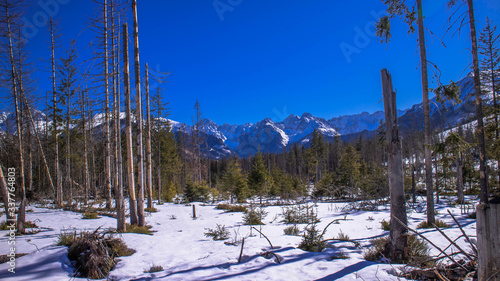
{"x": 118, "y": 187}
{"x": 55, "y": 111}
{"x": 483, "y": 176}
{"x": 107, "y": 137}
{"x": 401, "y": 9}
{"x": 140, "y": 155}
{"x": 128, "y": 129}
{"x": 149, "y": 171}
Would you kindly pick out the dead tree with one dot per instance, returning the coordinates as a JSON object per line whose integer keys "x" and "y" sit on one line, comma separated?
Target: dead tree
{"x": 68, "y": 141}
{"x": 128, "y": 129}
{"x": 158, "y": 123}
{"x": 483, "y": 177}
{"x": 149, "y": 172}
{"x": 427, "y": 116}
{"x": 487, "y": 211}
{"x": 107, "y": 138}
{"x": 86, "y": 180}
{"x": 53, "y": 39}
{"x": 140, "y": 156}
{"x": 118, "y": 187}
{"x": 398, "y": 240}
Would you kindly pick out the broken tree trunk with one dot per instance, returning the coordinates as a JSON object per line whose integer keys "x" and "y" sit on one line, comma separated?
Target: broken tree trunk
{"x": 397, "y": 237}
{"x": 488, "y": 240}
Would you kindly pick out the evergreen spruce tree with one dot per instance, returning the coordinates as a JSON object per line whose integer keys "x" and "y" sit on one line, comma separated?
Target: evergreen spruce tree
{"x": 319, "y": 150}
{"x": 257, "y": 176}
{"x": 489, "y": 64}
{"x": 234, "y": 182}
{"x": 349, "y": 169}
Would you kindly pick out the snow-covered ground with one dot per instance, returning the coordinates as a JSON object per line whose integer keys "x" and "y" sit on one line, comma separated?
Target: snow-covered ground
{"x": 180, "y": 247}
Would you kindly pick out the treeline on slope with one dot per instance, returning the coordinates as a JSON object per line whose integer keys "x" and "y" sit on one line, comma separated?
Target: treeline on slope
{"x": 344, "y": 169}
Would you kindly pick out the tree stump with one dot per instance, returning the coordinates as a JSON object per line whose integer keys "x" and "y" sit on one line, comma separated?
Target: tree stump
{"x": 488, "y": 240}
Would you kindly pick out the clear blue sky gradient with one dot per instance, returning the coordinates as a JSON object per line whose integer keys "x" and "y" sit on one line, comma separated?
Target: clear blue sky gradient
{"x": 273, "y": 58}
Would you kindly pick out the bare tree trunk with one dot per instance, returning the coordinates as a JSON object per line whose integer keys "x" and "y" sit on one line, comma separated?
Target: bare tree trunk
{"x": 149, "y": 172}
{"x": 140, "y": 156}
{"x": 59, "y": 193}
{"x": 159, "y": 150}
{"x": 128, "y": 129}
{"x": 398, "y": 240}
{"x": 21, "y": 217}
{"x": 413, "y": 184}
{"x": 159, "y": 182}
{"x": 488, "y": 241}
{"x": 487, "y": 215}
{"x": 436, "y": 178}
{"x": 30, "y": 160}
{"x": 427, "y": 116}
{"x": 118, "y": 124}
{"x": 107, "y": 140}
{"x": 86, "y": 182}
{"x": 120, "y": 206}
{"x": 68, "y": 150}
{"x": 483, "y": 177}
{"x": 91, "y": 136}
{"x": 460, "y": 180}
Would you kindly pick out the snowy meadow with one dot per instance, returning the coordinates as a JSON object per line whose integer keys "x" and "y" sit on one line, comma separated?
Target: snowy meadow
{"x": 178, "y": 248}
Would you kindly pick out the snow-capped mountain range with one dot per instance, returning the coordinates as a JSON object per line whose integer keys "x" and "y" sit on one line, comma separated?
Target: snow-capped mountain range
{"x": 270, "y": 136}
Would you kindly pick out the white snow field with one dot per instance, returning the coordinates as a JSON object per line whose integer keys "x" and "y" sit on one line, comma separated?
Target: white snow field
{"x": 181, "y": 248}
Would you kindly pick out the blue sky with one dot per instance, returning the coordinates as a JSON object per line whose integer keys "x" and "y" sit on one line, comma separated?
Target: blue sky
{"x": 258, "y": 59}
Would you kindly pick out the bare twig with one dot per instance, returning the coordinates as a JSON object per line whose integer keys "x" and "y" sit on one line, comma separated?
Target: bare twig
{"x": 334, "y": 221}
{"x": 463, "y": 232}
{"x": 430, "y": 242}
{"x": 441, "y": 276}
{"x": 241, "y": 251}
{"x": 272, "y": 247}
{"x": 393, "y": 268}
{"x": 452, "y": 242}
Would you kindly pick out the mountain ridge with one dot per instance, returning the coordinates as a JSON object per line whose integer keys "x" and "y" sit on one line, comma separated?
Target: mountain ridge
{"x": 275, "y": 136}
